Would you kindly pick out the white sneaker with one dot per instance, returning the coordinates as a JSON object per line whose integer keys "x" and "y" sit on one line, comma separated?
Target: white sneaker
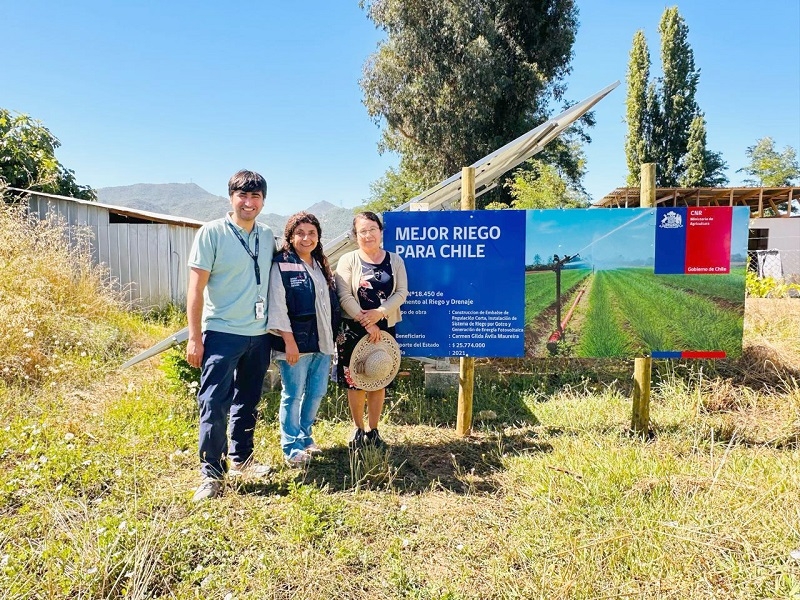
{"x": 209, "y": 488}
{"x": 249, "y": 468}
{"x": 298, "y": 459}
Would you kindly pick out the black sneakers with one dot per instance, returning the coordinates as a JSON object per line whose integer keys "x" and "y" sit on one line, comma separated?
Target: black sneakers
{"x": 357, "y": 442}
{"x": 370, "y": 438}
{"x": 374, "y": 439}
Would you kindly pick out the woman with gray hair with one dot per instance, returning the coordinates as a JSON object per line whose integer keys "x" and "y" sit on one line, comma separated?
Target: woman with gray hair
{"x": 372, "y": 285}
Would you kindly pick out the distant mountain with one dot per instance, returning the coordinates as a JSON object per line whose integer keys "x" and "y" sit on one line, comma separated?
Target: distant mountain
{"x": 321, "y": 208}
{"x": 191, "y": 201}
{"x": 176, "y": 199}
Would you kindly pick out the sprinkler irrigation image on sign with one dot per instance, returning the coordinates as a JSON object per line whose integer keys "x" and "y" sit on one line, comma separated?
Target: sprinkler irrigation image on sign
{"x": 668, "y": 282}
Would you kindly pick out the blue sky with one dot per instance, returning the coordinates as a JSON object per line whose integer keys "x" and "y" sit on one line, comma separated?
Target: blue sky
{"x": 161, "y": 92}
{"x": 599, "y": 236}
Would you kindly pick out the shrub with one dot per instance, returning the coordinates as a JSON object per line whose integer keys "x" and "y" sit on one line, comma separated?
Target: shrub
{"x": 768, "y": 287}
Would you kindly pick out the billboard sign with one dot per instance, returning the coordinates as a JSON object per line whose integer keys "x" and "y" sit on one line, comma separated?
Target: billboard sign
{"x": 668, "y": 282}
{"x": 466, "y": 281}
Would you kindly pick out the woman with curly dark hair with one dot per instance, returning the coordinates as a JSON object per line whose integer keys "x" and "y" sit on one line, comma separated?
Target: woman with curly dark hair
{"x": 303, "y": 316}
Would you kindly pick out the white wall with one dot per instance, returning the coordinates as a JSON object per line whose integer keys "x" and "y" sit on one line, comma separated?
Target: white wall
{"x": 784, "y": 236}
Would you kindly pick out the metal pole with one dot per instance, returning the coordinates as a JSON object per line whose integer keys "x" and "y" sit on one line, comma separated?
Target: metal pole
{"x": 558, "y": 299}
{"x": 466, "y": 380}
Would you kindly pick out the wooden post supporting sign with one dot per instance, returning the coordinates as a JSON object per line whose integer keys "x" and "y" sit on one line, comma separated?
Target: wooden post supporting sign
{"x": 643, "y": 366}
{"x": 466, "y": 380}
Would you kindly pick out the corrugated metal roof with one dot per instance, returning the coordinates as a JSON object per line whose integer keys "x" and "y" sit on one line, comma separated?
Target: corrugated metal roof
{"x": 124, "y": 211}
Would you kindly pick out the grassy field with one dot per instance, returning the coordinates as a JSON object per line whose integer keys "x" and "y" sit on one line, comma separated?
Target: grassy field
{"x": 729, "y": 287}
{"x": 551, "y": 497}
{"x": 633, "y": 311}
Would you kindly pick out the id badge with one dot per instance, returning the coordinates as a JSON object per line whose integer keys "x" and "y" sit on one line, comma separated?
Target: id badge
{"x": 259, "y": 310}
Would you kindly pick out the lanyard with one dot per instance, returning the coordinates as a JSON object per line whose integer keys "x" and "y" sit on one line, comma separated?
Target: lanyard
{"x": 247, "y": 247}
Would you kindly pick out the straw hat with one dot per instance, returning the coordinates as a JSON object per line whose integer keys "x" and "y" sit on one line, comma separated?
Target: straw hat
{"x": 373, "y": 366}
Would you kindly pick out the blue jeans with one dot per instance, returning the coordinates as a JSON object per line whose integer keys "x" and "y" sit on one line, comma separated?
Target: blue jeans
{"x": 230, "y": 387}
{"x": 304, "y": 384}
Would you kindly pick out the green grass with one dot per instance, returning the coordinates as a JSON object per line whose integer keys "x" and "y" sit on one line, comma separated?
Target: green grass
{"x": 633, "y": 311}
{"x": 601, "y": 335}
{"x": 553, "y": 501}
{"x": 728, "y": 287}
{"x": 666, "y": 318}
{"x": 550, "y": 498}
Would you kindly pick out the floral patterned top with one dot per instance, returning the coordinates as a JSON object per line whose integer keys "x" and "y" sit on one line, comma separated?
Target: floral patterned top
{"x": 376, "y": 283}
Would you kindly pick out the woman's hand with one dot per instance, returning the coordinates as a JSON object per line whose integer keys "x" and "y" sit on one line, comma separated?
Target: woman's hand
{"x": 374, "y": 333}
{"x": 292, "y": 352}
{"x": 369, "y": 317}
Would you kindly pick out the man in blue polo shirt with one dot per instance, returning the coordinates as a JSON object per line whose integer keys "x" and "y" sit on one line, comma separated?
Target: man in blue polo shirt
{"x": 226, "y": 307}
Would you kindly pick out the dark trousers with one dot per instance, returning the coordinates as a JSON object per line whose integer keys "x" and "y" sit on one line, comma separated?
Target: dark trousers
{"x": 230, "y": 387}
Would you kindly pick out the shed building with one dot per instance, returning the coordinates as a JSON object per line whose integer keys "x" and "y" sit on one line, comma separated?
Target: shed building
{"x": 146, "y": 253}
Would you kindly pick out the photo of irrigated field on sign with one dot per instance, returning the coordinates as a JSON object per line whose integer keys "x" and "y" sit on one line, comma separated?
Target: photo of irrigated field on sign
{"x": 590, "y": 290}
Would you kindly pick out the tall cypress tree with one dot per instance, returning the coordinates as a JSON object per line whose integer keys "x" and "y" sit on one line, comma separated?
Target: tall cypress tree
{"x": 694, "y": 166}
{"x": 678, "y": 90}
{"x": 662, "y": 115}
{"x": 700, "y": 166}
{"x": 636, "y": 111}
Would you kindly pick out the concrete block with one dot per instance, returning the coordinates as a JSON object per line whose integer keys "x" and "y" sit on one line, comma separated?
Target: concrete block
{"x": 439, "y": 380}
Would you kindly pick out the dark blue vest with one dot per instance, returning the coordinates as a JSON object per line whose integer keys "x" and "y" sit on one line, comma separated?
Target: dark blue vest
{"x": 300, "y": 296}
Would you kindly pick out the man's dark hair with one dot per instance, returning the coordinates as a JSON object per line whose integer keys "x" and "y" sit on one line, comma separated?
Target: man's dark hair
{"x": 247, "y": 181}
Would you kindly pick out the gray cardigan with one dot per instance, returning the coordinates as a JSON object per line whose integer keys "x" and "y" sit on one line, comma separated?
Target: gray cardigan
{"x": 348, "y": 279}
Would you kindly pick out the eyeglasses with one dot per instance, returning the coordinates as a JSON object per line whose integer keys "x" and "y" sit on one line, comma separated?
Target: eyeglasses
{"x": 370, "y": 231}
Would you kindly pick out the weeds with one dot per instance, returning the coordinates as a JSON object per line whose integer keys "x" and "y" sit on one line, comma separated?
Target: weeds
{"x": 372, "y": 468}
{"x": 768, "y": 287}
{"x": 59, "y": 319}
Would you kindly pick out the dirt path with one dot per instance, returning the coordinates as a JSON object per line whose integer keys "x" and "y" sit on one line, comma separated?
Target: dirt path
{"x": 538, "y": 332}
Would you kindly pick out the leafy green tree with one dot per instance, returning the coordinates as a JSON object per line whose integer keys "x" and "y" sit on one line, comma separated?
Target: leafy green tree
{"x": 769, "y": 167}
{"x": 453, "y": 81}
{"x": 395, "y": 187}
{"x": 701, "y": 167}
{"x": 541, "y": 185}
{"x": 662, "y": 114}
{"x": 27, "y": 159}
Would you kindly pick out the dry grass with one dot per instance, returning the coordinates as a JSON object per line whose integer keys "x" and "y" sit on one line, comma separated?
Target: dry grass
{"x": 772, "y": 333}
{"x": 57, "y": 313}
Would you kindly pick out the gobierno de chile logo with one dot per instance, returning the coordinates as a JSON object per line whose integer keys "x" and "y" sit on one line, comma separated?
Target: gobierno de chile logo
{"x": 671, "y": 220}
